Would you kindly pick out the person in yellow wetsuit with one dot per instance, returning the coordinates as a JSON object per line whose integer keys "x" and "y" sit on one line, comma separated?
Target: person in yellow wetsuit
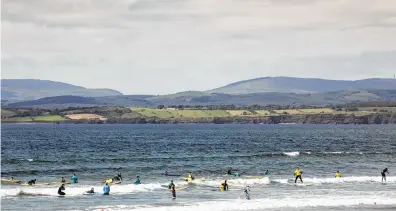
{"x": 298, "y": 173}
{"x": 190, "y": 177}
{"x": 338, "y": 174}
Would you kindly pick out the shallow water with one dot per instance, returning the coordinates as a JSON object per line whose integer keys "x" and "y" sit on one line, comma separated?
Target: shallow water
{"x": 97, "y": 152}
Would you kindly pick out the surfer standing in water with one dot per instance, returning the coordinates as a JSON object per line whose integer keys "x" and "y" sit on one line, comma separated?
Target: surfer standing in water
{"x": 172, "y": 187}
{"x": 383, "y": 174}
{"x": 61, "y": 189}
{"x": 298, "y": 173}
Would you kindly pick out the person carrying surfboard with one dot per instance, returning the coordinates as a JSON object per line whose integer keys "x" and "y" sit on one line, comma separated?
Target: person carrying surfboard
{"x": 61, "y": 189}
{"x": 298, "y": 173}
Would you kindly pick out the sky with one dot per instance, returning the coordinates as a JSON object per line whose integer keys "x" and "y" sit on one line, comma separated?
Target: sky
{"x": 168, "y": 46}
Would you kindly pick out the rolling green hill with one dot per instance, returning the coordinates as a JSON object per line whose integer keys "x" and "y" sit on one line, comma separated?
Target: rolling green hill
{"x": 301, "y": 85}
{"x": 31, "y": 89}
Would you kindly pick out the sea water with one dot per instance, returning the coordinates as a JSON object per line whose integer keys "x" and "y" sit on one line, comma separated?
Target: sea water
{"x": 47, "y": 152}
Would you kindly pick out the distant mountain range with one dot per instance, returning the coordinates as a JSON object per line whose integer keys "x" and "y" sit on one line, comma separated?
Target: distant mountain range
{"x": 301, "y": 85}
{"x": 32, "y": 89}
{"x": 202, "y": 98}
{"x": 262, "y": 91}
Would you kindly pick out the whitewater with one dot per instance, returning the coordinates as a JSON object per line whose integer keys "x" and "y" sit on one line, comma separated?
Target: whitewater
{"x": 98, "y": 152}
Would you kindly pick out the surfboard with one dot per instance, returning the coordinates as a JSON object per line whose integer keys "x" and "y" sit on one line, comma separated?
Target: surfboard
{"x": 11, "y": 181}
{"x": 62, "y": 182}
{"x": 37, "y": 184}
{"x": 181, "y": 188}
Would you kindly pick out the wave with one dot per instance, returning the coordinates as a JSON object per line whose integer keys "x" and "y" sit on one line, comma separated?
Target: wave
{"x": 267, "y": 203}
{"x": 292, "y": 154}
{"x": 352, "y": 179}
{"x": 77, "y": 190}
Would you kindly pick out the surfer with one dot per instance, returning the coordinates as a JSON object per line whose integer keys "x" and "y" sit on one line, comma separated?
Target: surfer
{"x": 190, "y": 177}
{"x": 32, "y": 182}
{"x": 246, "y": 192}
{"x": 172, "y": 187}
{"x": 229, "y": 172}
{"x": 266, "y": 172}
{"x": 383, "y": 174}
{"x": 74, "y": 179}
{"x": 118, "y": 177}
{"x": 106, "y": 189}
{"x": 298, "y": 173}
{"x": 338, "y": 174}
{"x": 166, "y": 173}
{"x": 61, "y": 189}
{"x": 224, "y": 185}
{"x": 91, "y": 191}
{"x": 137, "y": 180}
{"x": 63, "y": 180}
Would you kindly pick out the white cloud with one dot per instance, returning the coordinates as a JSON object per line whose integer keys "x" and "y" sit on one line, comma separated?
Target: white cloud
{"x": 164, "y": 46}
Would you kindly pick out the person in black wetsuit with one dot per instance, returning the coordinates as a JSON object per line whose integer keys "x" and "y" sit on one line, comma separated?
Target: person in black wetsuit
{"x": 118, "y": 177}
{"x": 383, "y": 174}
{"x": 91, "y": 191}
{"x": 172, "y": 187}
{"x": 61, "y": 189}
{"x": 229, "y": 171}
{"x": 32, "y": 182}
{"x": 225, "y": 185}
{"x": 63, "y": 180}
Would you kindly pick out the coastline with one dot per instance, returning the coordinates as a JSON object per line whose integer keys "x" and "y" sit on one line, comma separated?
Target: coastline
{"x": 389, "y": 118}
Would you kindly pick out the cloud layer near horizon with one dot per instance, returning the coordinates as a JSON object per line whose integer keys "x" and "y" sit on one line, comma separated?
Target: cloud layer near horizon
{"x": 166, "y": 46}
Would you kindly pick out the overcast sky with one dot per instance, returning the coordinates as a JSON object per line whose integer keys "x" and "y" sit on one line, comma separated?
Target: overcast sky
{"x": 167, "y": 46}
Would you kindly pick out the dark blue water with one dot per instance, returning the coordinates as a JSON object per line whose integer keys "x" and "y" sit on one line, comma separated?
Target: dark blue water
{"x": 98, "y": 152}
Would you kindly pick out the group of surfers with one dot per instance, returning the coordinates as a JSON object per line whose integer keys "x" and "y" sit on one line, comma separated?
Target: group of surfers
{"x": 298, "y": 173}
{"x": 223, "y": 187}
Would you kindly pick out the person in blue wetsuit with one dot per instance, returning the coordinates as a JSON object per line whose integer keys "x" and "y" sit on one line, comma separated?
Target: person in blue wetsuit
{"x": 74, "y": 179}
{"x": 106, "y": 189}
{"x": 138, "y": 180}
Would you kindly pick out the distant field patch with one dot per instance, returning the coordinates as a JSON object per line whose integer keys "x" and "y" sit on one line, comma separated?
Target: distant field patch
{"x": 7, "y": 113}
{"x": 378, "y": 109}
{"x": 306, "y": 111}
{"x": 240, "y": 112}
{"x": 48, "y": 118}
{"x": 166, "y": 113}
{"x": 262, "y": 112}
{"x": 18, "y": 119}
{"x": 85, "y": 116}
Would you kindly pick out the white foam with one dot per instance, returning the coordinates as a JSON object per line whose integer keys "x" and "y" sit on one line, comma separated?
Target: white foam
{"x": 292, "y": 154}
{"x": 30, "y": 160}
{"x": 75, "y": 190}
{"x": 269, "y": 203}
{"x": 351, "y": 179}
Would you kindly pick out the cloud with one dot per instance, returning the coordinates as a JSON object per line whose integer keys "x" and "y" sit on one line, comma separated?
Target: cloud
{"x": 164, "y": 46}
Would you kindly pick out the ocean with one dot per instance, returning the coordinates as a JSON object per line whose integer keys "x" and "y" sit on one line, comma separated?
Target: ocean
{"x": 94, "y": 153}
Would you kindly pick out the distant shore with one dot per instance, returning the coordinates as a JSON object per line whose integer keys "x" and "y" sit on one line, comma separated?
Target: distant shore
{"x": 347, "y": 114}
{"x": 280, "y": 119}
